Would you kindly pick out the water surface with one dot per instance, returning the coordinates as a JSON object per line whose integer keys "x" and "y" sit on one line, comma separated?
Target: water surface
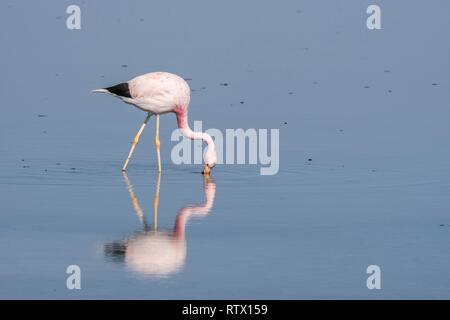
{"x": 364, "y": 176}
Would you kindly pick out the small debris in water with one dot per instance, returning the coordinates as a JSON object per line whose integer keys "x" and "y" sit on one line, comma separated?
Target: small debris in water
{"x": 309, "y": 159}
{"x": 45, "y": 131}
{"x": 299, "y": 11}
{"x": 124, "y": 66}
{"x": 73, "y": 168}
{"x": 366, "y": 87}
{"x": 387, "y": 71}
{"x": 285, "y": 122}
{"x": 373, "y": 170}
{"x": 22, "y": 160}
{"x": 58, "y": 163}
{"x": 435, "y": 84}
{"x": 442, "y": 225}
{"x": 25, "y": 166}
{"x": 224, "y": 84}
{"x": 242, "y": 102}
{"x": 290, "y": 93}
{"x": 390, "y": 91}
{"x": 41, "y": 115}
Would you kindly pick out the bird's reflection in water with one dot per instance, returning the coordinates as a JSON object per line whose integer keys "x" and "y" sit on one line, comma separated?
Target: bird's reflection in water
{"x": 153, "y": 252}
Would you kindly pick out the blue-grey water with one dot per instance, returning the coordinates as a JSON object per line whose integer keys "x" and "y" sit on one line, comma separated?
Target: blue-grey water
{"x": 364, "y": 173}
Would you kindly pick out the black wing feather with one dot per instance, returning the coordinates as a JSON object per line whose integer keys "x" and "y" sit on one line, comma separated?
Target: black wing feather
{"x": 121, "y": 90}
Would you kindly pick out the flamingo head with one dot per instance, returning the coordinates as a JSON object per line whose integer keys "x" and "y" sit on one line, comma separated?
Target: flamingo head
{"x": 210, "y": 159}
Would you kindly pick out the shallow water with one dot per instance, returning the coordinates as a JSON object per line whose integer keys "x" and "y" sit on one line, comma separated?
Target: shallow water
{"x": 374, "y": 192}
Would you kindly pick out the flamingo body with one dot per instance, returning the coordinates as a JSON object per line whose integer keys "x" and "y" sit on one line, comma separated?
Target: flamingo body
{"x": 159, "y": 93}
{"x": 155, "y": 92}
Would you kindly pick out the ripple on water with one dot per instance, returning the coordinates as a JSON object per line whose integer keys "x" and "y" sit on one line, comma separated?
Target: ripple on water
{"x": 107, "y": 173}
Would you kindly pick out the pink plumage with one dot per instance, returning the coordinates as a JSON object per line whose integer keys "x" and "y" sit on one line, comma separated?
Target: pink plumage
{"x": 159, "y": 93}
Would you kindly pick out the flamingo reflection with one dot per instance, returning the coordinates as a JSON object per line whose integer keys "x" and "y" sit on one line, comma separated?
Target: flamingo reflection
{"x": 153, "y": 252}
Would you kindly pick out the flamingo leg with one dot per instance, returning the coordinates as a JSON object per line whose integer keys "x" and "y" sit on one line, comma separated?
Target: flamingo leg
{"x": 156, "y": 202}
{"x": 136, "y": 141}
{"x": 158, "y": 143}
{"x": 135, "y": 201}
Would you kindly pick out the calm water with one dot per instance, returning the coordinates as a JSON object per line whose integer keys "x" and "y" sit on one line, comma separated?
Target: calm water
{"x": 364, "y": 176}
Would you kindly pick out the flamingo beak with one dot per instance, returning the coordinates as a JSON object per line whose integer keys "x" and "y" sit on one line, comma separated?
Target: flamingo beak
{"x": 206, "y": 170}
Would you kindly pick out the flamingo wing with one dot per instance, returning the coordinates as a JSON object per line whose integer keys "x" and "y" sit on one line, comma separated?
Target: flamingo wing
{"x": 159, "y": 92}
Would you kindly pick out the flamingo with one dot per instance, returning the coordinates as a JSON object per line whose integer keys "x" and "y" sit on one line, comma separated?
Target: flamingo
{"x": 159, "y": 93}
{"x": 153, "y": 252}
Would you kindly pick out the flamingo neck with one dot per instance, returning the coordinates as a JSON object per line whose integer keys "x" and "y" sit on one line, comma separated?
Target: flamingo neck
{"x": 183, "y": 125}
{"x": 188, "y": 211}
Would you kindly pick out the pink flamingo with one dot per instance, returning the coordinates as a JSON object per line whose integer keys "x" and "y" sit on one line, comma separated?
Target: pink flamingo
{"x": 159, "y": 93}
{"x": 159, "y": 253}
